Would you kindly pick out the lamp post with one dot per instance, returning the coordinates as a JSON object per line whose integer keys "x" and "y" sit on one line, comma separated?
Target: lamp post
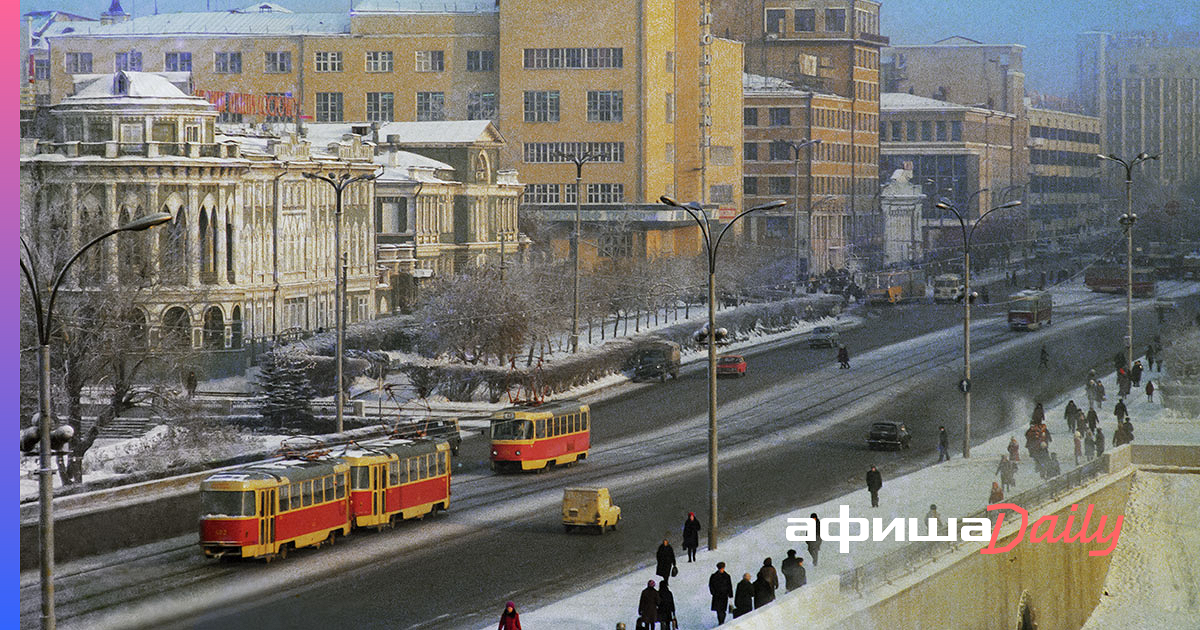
{"x": 796, "y": 147}
{"x": 579, "y": 159}
{"x": 339, "y": 183}
{"x": 1127, "y": 220}
{"x": 44, "y": 320}
{"x": 965, "y": 385}
{"x": 710, "y": 248}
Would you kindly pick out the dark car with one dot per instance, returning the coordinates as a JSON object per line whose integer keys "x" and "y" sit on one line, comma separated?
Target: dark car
{"x": 888, "y": 435}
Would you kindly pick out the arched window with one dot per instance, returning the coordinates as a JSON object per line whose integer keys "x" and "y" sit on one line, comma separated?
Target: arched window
{"x": 173, "y": 245}
{"x": 235, "y": 327}
{"x": 176, "y": 329}
{"x": 214, "y": 329}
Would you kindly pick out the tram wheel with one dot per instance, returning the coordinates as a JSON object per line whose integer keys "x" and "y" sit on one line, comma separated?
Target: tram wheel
{"x": 332, "y": 538}
{"x": 282, "y": 553}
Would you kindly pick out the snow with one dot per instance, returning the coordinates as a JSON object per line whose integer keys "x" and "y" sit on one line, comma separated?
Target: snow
{"x": 895, "y": 101}
{"x": 433, "y": 132}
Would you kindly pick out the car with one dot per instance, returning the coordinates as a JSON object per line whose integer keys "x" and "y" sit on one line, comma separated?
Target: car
{"x": 888, "y": 435}
{"x": 826, "y": 336}
{"x": 589, "y": 507}
{"x": 731, "y": 365}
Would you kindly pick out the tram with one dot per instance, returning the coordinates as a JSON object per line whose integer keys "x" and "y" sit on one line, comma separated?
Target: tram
{"x": 1111, "y": 279}
{"x": 893, "y": 287}
{"x": 397, "y": 479}
{"x": 536, "y": 438}
{"x": 1030, "y": 309}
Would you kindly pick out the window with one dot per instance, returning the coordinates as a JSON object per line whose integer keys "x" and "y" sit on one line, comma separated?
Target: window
{"x": 431, "y": 61}
{"x": 279, "y": 62}
{"x": 605, "y": 193}
{"x": 380, "y": 107}
{"x": 910, "y": 130}
{"x": 604, "y": 106}
{"x": 779, "y": 185}
{"x": 750, "y": 185}
{"x": 926, "y": 130}
{"x": 431, "y": 106}
{"x": 941, "y": 131}
{"x": 835, "y": 20}
{"x": 129, "y": 61}
{"x": 228, "y": 63}
{"x": 541, "y": 106}
{"x": 79, "y": 63}
{"x": 178, "y": 62}
{"x": 956, "y": 130}
{"x": 781, "y": 152}
{"x": 379, "y": 61}
{"x": 670, "y": 61}
{"x": 897, "y": 132}
{"x": 669, "y": 108}
{"x": 557, "y": 152}
{"x": 544, "y": 58}
{"x": 806, "y": 20}
{"x": 720, "y": 193}
{"x": 329, "y": 106}
{"x": 277, "y": 118}
{"x": 750, "y": 117}
{"x": 41, "y": 69}
{"x": 481, "y": 61}
{"x": 781, "y": 116}
{"x": 616, "y": 245}
{"x": 775, "y": 18}
{"x": 541, "y": 193}
{"x": 481, "y": 106}
{"x": 750, "y": 151}
{"x": 329, "y": 62}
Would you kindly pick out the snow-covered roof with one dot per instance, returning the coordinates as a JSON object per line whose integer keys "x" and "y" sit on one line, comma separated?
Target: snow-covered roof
{"x": 434, "y": 132}
{"x": 132, "y": 87}
{"x": 51, "y": 24}
{"x": 406, "y": 166}
{"x": 760, "y": 85}
{"x": 426, "y": 6}
{"x": 901, "y": 100}
{"x": 224, "y": 22}
{"x": 263, "y": 7}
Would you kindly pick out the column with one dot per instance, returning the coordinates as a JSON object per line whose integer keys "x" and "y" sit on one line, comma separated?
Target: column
{"x": 108, "y": 250}
{"x": 220, "y": 215}
{"x": 152, "y": 252}
{"x": 73, "y": 220}
{"x": 192, "y": 264}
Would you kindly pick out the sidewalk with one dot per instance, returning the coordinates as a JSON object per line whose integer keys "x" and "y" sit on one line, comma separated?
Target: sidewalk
{"x": 959, "y": 488}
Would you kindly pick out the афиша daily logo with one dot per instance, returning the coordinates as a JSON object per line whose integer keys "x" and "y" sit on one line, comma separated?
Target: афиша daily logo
{"x": 1044, "y": 530}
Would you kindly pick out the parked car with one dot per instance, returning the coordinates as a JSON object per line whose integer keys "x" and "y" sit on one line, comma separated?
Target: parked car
{"x": 731, "y": 365}
{"x": 589, "y": 507}
{"x": 823, "y": 336}
{"x": 888, "y": 435}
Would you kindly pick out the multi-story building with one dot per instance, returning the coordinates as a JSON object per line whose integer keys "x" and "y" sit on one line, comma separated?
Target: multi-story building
{"x": 1145, "y": 88}
{"x": 828, "y": 47}
{"x": 642, "y": 86}
{"x": 1064, "y": 173}
{"x": 249, "y": 253}
{"x": 36, "y": 27}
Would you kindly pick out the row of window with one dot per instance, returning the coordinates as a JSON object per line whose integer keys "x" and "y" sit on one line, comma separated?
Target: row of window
{"x": 275, "y": 62}
{"x": 1053, "y": 184}
{"x": 805, "y": 20}
{"x": 557, "y": 152}
{"x": 596, "y": 193}
{"x": 822, "y": 117}
{"x": 1070, "y": 135}
{"x": 602, "y": 106}
{"x": 560, "y": 425}
{"x": 921, "y": 131}
{"x": 1072, "y": 158}
{"x": 781, "y": 185}
{"x": 823, "y": 152}
{"x": 549, "y": 58}
{"x": 381, "y": 106}
{"x": 313, "y": 492}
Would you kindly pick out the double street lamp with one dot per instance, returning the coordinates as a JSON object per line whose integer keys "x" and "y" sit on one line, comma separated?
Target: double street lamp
{"x": 967, "y": 234}
{"x": 340, "y": 183}
{"x": 579, "y": 159}
{"x": 710, "y": 249}
{"x": 1127, "y": 220}
{"x": 796, "y": 147}
{"x": 43, "y": 316}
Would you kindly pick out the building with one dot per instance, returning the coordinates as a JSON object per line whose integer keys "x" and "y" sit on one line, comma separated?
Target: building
{"x": 36, "y": 28}
{"x": 903, "y": 233}
{"x": 830, "y": 48}
{"x": 657, "y": 104}
{"x": 249, "y": 254}
{"x": 1145, "y": 89}
{"x": 1064, "y": 173}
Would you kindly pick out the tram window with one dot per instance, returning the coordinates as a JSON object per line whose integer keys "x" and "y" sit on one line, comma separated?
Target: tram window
{"x": 394, "y": 473}
{"x": 587, "y": 420}
{"x": 283, "y": 498}
{"x": 360, "y": 477}
{"x": 318, "y": 491}
{"x": 339, "y": 486}
{"x": 562, "y": 425}
{"x": 295, "y": 496}
{"x": 329, "y": 492}
{"x": 574, "y": 422}
{"x": 412, "y": 469}
{"x": 423, "y": 467}
{"x": 441, "y": 464}
{"x": 307, "y": 493}
{"x": 512, "y": 430}
{"x": 541, "y": 429}
{"x": 227, "y": 503}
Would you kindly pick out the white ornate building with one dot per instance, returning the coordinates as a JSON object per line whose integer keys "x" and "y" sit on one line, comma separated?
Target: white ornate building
{"x": 901, "y": 201}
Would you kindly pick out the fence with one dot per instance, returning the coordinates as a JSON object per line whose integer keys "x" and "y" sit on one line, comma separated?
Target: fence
{"x": 903, "y": 561}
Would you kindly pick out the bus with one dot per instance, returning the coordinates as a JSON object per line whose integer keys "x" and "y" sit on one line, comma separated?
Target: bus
{"x": 1030, "y": 309}
{"x": 538, "y": 437}
{"x": 947, "y": 287}
{"x": 893, "y": 287}
{"x": 1111, "y": 279}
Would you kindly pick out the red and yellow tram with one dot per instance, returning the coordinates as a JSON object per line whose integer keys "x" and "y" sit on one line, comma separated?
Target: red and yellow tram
{"x": 535, "y": 438}
{"x": 1112, "y": 279}
{"x": 263, "y": 509}
{"x": 397, "y": 479}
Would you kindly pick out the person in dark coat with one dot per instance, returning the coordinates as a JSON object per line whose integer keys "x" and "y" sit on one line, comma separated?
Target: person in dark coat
{"x": 648, "y": 605}
{"x": 720, "y": 586}
{"x": 1089, "y": 444}
{"x": 763, "y": 593}
{"x": 1014, "y": 450}
{"x": 1092, "y": 419}
{"x": 666, "y": 559}
{"x": 793, "y": 571}
{"x": 1136, "y": 373}
{"x": 814, "y": 545}
{"x": 1120, "y": 411}
{"x": 743, "y": 601}
{"x": 191, "y": 384}
{"x": 691, "y": 535}
{"x": 1039, "y": 415}
{"x": 666, "y": 606}
{"x": 1007, "y": 471}
{"x": 509, "y": 619}
{"x": 1099, "y": 441}
{"x": 1150, "y": 391}
{"x": 1069, "y": 415}
{"x": 843, "y": 358}
{"x": 874, "y": 483}
{"x": 943, "y": 445}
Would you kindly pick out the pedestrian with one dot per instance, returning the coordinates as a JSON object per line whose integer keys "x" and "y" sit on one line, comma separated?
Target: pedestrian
{"x": 1158, "y": 353}
{"x": 764, "y": 592}
{"x": 997, "y": 495}
{"x": 788, "y": 567}
{"x": 666, "y": 560}
{"x": 509, "y": 619}
{"x": 1078, "y": 447}
{"x": 1150, "y": 356}
{"x": 1069, "y": 415}
{"x": 843, "y": 358}
{"x": 691, "y": 535}
{"x": 1014, "y": 450}
{"x": 1099, "y": 441}
{"x": 666, "y": 608}
{"x": 1044, "y": 358}
{"x": 1007, "y": 471}
{"x": 1052, "y": 468}
{"x": 943, "y": 445}
{"x": 1091, "y": 390}
{"x": 1089, "y": 444}
{"x": 1092, "y": 419}
{"x": 1039, "y": 414}
{"x": 648, "y": 607}
{"x": 814, "y": 545}
{"x": 874, "y": 483}
{"x": 1100, "y": 394}
{"x": 935, "y": 520}
{"x": 767, "y": 570}
{"x": 720, "y": 586}
{"x": 1119, "y": 410}
{"x": 1123, "y": 383}
{"x": 743, "y": 601}
{"x": 1150, "y": 390}
{"x": 190, "y": 383}
{"x": 1135, "y": 373}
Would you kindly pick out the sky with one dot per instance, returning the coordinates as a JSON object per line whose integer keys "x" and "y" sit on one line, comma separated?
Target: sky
{"x": 1046, "y": 28}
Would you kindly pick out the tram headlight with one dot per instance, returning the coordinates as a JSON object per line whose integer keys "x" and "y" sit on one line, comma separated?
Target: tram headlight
{"x": 518, "y": 453}
{"x": 495, "y": 452}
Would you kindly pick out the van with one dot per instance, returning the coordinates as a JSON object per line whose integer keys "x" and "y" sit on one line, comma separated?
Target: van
{"x": 589, "y": 507}
{"x": 658, "y": 361}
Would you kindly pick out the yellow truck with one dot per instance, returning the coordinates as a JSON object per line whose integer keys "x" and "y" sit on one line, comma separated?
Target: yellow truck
{"x": 589, "y": 507}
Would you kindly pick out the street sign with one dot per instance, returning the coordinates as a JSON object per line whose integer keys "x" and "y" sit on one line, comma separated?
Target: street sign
{"x": 964, "y": 386}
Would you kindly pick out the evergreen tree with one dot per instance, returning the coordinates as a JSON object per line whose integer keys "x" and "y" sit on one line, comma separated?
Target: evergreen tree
{"x": 286, "y": 389}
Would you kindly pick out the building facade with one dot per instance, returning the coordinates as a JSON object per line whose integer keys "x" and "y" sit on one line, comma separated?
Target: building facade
{"x": 1064, "y": 173}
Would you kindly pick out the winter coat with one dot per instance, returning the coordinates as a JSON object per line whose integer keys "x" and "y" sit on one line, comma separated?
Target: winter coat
{"x": 666, "y": 603}
{"x": 691, "y": 533}
{"x": 1039, "y": 415}
{"x": 721, "y": 587}
{"x": 1149, "y": 388}
{"x": 768, "y": 572}
{"x": 1092, "y": 419}
{"x": 509, "y": 621}
{"x": 744, "y": 600}
{"x": 1069, "y": 413}
{"x": 666, "y": 560}
{"x": 764, "y": 593}
{"x": 1120, "y": 411}
{"x": 1136, "y": 372}
{"x": 996, "y": 496}
{"x": 943, "y": 439}
{"x": 1014, "y": 451}
{"x": 843, "y": 355}
{"x": 648, "y": 605}
{"x": 1078, "y": 444}
{"x": 1099, "y": 442}
{"x": 1089, "y": 445}
{"x": 815, "y": 543}
{"x": 874, "y": 480}
{"x": 793, "y": 573}
{"x": 1099, "y": 391}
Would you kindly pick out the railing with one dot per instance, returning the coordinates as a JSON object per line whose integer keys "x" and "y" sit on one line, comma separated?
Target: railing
{"x": 903, "y": 561}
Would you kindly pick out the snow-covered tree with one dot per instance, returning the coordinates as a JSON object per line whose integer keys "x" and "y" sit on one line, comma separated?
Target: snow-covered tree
{"x": 287, "y": 392}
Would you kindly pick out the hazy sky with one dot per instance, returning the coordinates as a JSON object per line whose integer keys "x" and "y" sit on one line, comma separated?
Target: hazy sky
{"x": 1047, "y": 28}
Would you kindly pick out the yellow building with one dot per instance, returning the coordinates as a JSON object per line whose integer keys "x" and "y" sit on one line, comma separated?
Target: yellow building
{"x": 1064, "y": 172}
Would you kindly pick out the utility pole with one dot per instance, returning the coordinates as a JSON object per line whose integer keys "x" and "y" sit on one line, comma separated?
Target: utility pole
{"x": 578, "y": 159}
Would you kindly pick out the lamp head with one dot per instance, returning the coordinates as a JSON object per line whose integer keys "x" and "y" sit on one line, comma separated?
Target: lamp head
{"x": 146, "y": 222}
{"x": 668, "y": 201}
{"x": 770, "y": 205}
{"x": 942, "y": 205}
{"x": 1011, "y": 204}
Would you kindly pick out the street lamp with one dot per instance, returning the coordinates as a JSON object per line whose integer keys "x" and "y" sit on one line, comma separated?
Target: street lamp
{"x": 710, "y": 248}
{"x": 967, "y": 234}
{"x": 1127, "y": 220}
{"x": 339, "y": 183}
{"x": 579, "y": 160}
{"x": 44, "y": 318}
{"x": 795, "y": 148}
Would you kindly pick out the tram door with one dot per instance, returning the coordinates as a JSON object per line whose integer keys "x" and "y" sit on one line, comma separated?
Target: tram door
{"x": 266, "y": 521}
{"x": 378, "y": 475}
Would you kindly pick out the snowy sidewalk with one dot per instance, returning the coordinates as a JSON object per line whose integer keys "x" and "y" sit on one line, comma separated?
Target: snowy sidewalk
{"x": 959, "y": 488}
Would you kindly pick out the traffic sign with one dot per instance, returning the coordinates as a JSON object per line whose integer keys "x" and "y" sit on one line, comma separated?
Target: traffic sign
{"x": 964, "y": 386}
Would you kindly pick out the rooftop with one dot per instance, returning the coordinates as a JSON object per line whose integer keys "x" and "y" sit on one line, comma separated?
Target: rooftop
{"x": 901, "y": 101}
{"x": 146, "y": 88}
{"x": 426, "y": 6}
{"x": 424, "y": 133}
{"x": 239, "y": 22}
{"x": 761, "y": 84}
